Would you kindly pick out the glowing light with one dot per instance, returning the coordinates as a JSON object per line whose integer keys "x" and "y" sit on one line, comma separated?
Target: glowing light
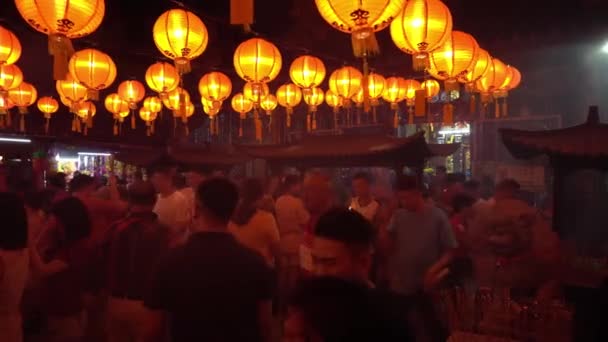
{"x": 605, "y": 48}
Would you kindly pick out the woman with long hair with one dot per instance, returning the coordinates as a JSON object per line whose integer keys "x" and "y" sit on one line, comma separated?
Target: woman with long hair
{"x": 64, "y": 271}
{"x": 13, "y": 265}
{"x": 255, "y": 228}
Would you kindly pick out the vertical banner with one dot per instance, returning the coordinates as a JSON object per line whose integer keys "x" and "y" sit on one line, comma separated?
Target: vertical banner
{"x": 420, "y": 103}
{"x": 241, "y": 12}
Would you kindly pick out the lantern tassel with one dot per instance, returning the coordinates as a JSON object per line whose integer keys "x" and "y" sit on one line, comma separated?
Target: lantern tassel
{"x": 289, "y": 111}
{"x": 258, "y": 128}
{"x": 308, "y": 123}
{"x": 505, "y": 107}
{"x": 115, "y": 130}
{"x": 60, "y": 47}
{"x": 314, "y": 121}
{"x": 186, "y": 129}
{"x": 396, "y": 119}
{"x": 448, "y": 114}
{"x": 410, "y": 117}
{"x": 365, "y": 85}
{"x": 74, "y": 124}
{"x": 86, "y": 130}
{"x": 78, "y": 126}
{"x": 472, "y": 105}
{"x": 47, "y": 123}
{"x": 496, "y": 108}
{"x": 152, "y": 124}
{"x": 2, "y": 122}
{"x": 182, "y": 65}
{"x": 364, "y": 42}
{"x": 22, "y": 110}
{"x": 374, "y": 114}
{"x": 335, "y": 117}
{"x": 89, "y": 120}
{"x": 133, "y": 124}
{"x": 93, "y": 94}
{"x": 9, "y": 119}
{"x": 22, "y": 122}
{"x": 241, "y": 127}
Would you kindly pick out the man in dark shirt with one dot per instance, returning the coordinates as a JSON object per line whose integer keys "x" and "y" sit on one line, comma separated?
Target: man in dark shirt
{"x": 214, "y": 288}
{"x": 133, "y": 248}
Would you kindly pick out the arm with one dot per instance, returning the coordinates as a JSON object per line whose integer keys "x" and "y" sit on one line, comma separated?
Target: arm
{"x": 42, "y": 268}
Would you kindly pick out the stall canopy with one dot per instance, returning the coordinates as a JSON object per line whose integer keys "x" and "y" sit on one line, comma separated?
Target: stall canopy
{"x": 186, "y": 155}
{"x": 351, "y": 151}
{"x": 586, "y": 144}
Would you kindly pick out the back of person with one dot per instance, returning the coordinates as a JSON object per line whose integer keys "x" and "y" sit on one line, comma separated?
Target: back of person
{"x": 260, "y": 234}
{"x": 215, "y": 286}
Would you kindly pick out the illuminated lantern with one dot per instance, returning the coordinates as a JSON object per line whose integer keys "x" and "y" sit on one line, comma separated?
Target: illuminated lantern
{"x": 411, "y": 86}
{"x": 241, "y": 105}
{"x": 71, "y": 90}
{"x": 422, "y": 27}
{"x": 313, "y": 99}
{"x": 162, "y": 78}
{"x": 375, "y": 84}
{"x": 181, "y": 36}
{"x": 176, "y": 98}
{"x": 62, "y": 20}
{"x": 431, "y": 88}
{"x": 492, "y": 81}
{"x": 395, "y": 91}
{"x": 214, "y": 124}
{"x": 10, "y": 48}
{"x": 10, "y": 77}
{"x": 153, "y": 104}
{"x": 333, "y": 100}
{"x": 289, "y": 95}
{"x": 361, "y": 19}
{"x": 481, "y": 66}
{"x": 257, "y": 60}
{"x": 115, "y": 104}
{"x": 454, "y": 59}
{"x": 85, "y": 111}
{"x": 5, "y": 105}
{"x": 215, "y": 87}
{"x": 23, "y": 96}
{"x": 48, "y": 106}
{"x": 346, "y": 82}
{"x": 512, "y": 80}
{"x": 148, "y": 117}
{"x": 132, "y": 91}
{"x": 269, "y": 103}
{"x": 254, "y": 93}
{"x": 307, "y": 72}
{"x": 93, "y": 69}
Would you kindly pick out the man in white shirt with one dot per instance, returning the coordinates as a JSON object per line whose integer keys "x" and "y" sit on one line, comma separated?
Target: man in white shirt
{"x": 363, "y": 202}
{"x": 171, "y": 207}
{"x": 194, "y": 177}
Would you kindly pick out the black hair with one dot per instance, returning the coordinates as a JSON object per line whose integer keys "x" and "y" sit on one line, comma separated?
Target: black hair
{"x": 340, "y": 310}
{"x": 408, "y": 183}
{"x": 80, "y": 182}
{"x": 363, "y": 176}
{"x": 13, "y": 230}
{"x": 219, "y": 197}
{"x": 73, "y": 215}
{"x": 346, "y": 226}
{"x": 462, "y": 201}
{"x": 472, "y": 185}
{"x": 141, "y": 193}
{"x": 252, "y": 190}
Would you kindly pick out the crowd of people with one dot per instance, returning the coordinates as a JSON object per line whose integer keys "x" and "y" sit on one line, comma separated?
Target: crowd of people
{"x": 277, "y": 261}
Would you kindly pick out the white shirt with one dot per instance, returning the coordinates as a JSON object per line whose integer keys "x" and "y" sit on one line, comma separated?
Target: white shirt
{"x": 174, "y": 212}
{"x": 291, "y": 217}
{"x": 369, "y": 211}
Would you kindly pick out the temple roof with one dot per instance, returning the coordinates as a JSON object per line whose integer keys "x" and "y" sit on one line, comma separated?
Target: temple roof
{"x": 185, "y": 155}
{"x": 589, "y": 140}
{"x": 351, "y": 150}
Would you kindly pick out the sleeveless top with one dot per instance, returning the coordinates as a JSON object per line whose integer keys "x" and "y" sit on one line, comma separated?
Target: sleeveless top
{"x": 15, "y": 270}
{"x": 369, "y": 211}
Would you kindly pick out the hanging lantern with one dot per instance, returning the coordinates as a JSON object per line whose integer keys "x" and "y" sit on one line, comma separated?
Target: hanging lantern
{"x": 62, "y": 20}
{"x": 48, "y": 106}
{"x": 289, "y": 95}
{"x": 23, "y": 96}
{"x": 10, "y": 48}
{"x": 346, "y": 82}
{"x": 162, "y": 78}
{"x": 358, "y": 99}
{"x": 188, "y": 112}
{"x": 181, "y": 36}
{"x": 269, "y": 103}
{"x": 5, "y": 105}
{"x": 241, "y": 104}
{"x": 361, "y": 19}
{"x": 115, "y": 104}
{"x": 493, "y": 79}
{"x": 10, "y": 77}
{"x": 376, "y": 84}
{"x": 422, "y": 27}
{"x": 211, "y": 112}
{"x": 71, "y": 90}
{"x": 314, "y": 99}
{"x": 85, "y": 111}
{"x": 153, "y": 104}
{"x": 431, "y": 88}
{"x": 512, "y": 81}
{"x": 481, "y": 66}
{"x": 411, "y": 86}
{"x": 176, "y": 98}
{"x": 395, "y": 91}
{"x": 132, "y": 91}
{"x": 454, "y": 59}
{"x": 215, "y": 87}
{"x": 333, "y": 100}
{"x": 148, "y": 117}
{"x": 257, "y": 60}
{"x": 254, "y": 93}
{"x": 93, "y": 69}
{"x": 307, "y": 72}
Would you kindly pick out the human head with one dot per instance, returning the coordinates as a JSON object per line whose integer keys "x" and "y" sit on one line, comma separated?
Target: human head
{"x": 195, "y": 176}
{"x": 216, "y": 200}
{"x": 506, "y": 189}
{"x": 473, "y": 189}
{"x": 361, "y": 185}
{"x": 251, "y": 192}
{"x": 453, "y": 186}
{"x": 13, "y": 231}
{"x": 82, "y": 184}
{"x": 409, "y": 192}
{"x": 317, "y": 193}
{"x": 441, "y": 171}
{"x": 141, "y": 196}
{"x": 56, "y": 181}
{"x": 71, "y": 218}
{"x": 162, "y": 178}
{"x": 292, "y": 185}
{"x": 333, "y": 310}
{"x": 342, "y": 245}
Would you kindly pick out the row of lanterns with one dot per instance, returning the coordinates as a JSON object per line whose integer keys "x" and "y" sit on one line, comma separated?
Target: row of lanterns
{"x": 422, "y": 28}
